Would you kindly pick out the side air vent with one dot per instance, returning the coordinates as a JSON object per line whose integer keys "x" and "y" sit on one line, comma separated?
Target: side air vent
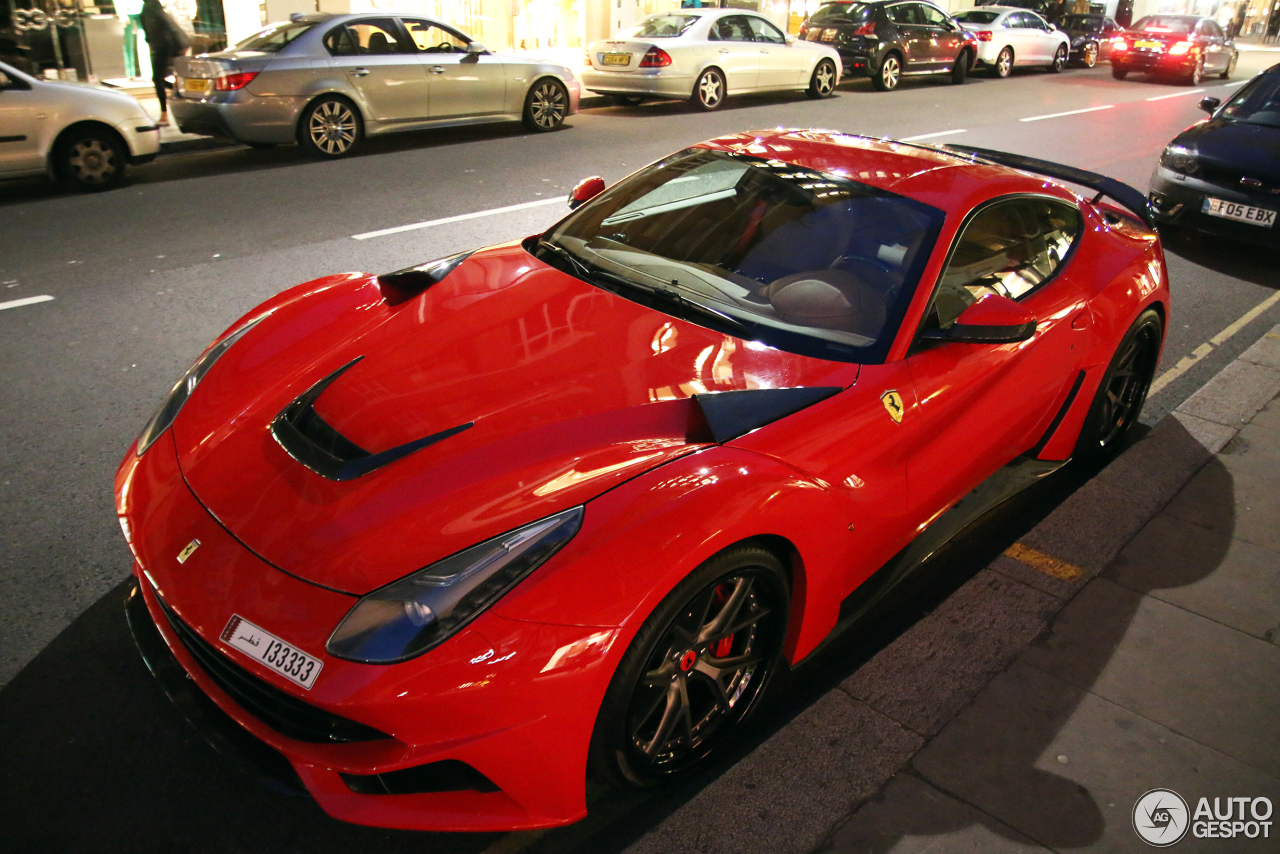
{"x": 731, "y": 414}
{"x": 448, "y": 775}
{"x": 310, "y": 440}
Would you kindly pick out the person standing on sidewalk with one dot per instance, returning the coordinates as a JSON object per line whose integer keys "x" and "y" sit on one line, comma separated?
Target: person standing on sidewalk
{"x": 166, "y": 40}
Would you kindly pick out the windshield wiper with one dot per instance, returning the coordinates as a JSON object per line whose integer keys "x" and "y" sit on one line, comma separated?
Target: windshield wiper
{"x": 741, "y": 329}
{"x": 580, "y": 267}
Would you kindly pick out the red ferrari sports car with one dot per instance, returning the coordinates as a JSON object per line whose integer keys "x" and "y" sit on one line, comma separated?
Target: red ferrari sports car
{"x": 446, "y": 539}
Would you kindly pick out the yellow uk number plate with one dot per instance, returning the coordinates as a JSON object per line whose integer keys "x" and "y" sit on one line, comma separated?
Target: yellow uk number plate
{"x": 196, "y": 86}
{"x": 1144, "y": 43}
{"x": 616, "y": 59}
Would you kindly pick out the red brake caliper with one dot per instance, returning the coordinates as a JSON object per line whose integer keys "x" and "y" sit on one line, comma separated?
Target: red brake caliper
{"x": 724, "y": 646}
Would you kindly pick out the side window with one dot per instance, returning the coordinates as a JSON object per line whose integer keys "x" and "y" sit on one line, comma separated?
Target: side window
{"x": 733, "y": 28}
{"x": 903, "y": 13}
{"x": 1212, "y": 29}
{"x": 431, "y": 38}
{"x": 366, "y": 37}
{"x": 763, "y": 31}
{"x": 1009, "y": 248}
{"x": 934, "y": 17}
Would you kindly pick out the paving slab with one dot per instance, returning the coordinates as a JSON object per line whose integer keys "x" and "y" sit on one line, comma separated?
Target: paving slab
{"x": 1169, "y": 559}
{"x": 1090, "y": 527}
{"x": 1061, "y": 589}
{"x": 787, "y": 794}
{"x": 1065, "y": 767}
{"x": 910, "y": 817}
{"x": 933, "y": 670}
{"x": 1269, "y": 417}
{"x": 1198, "y": 677}
{"x": 1239, "y": 503}
{"x": 1235, "y": 394}
{"x": 1161, "y": 463}
{"x": 1252, "y": 448}
{"x": 1264, "y": 351}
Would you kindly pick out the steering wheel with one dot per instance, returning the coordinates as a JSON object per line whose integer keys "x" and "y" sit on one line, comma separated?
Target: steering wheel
{"x": 850, "y": 262}
{"x": 445, "y": 47}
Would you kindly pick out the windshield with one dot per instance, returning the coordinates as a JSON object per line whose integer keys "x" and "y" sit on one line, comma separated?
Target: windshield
{"x": 275, "y": 37}
{"x": 804, "y": 261}
{"x": 663, "y": 26}
{"x": 852, "y": 13}
{"x": 1165, "y": 24}
{"x": 976, "y": 17}
{"x": 1088, "y": 23}
{"x": 1258, "y": 103}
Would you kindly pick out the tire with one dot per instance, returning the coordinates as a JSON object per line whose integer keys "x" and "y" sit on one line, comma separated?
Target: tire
{"x": 1231, "y": 67}
{"x": 330, "y": 127}
{"x": 1003, "y": 65}
{"x": 1197, "y": 73}
{"x": 1119, "y": 72}
{"x": 626, "y": 100}
{"x": 960, "y": 70}
{"x": 546, "y": 105}
{"x": 673, "y": 703}
{"x": 889, "y": 74}
{"x": 1090, "y": 56}
{"x": 1059, "y": 60}
{"x": 91, "y": 159}
{"x": 1118, "y": 402}
{"x": 823, "y": 82}
{"x": 708, "y": 91}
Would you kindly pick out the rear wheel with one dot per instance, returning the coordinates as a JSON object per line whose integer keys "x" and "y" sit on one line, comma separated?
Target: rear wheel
{"x": 960, "y": 71}
{"x": 1197, "y": 73}
{"x": 545, "y": 106}
{"x": 1231, "y": 67}
{"x": 1004, "y": 63}
{"x": 708, "y": 92}
{"x": 889, "y": 74}
{"x": 1090, "y": 55}
{"x": 1119, "y": 72}
{"x": 91, "y": 159}
{"x": 1119, "y": 399}
{"x": 331, "y": 127}
{"x": 698, "y": 666}
{"x": 823, "y": 82}
{"x": 1059, "y": 59}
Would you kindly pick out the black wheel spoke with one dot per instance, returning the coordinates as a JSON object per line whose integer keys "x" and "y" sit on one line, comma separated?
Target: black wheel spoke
{"x": 719, "y": 627}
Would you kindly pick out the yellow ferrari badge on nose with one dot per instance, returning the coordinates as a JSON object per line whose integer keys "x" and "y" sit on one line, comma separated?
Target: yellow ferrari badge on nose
{"x": 188, "y": 551}
{"x": 893, "y": 405}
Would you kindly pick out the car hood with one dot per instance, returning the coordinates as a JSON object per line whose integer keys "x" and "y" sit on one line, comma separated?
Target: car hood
{"x": 568, "y": 390}
{"x": 1249, "y": 149}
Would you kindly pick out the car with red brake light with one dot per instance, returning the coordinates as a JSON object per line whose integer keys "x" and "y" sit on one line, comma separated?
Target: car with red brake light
{"x": 438, "y": 544}
{"x": 1184, "y": 46}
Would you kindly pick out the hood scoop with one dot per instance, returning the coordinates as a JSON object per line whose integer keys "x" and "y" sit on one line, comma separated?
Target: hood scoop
{"x": 310, "y": 440}
{"x": 731, "y": 414}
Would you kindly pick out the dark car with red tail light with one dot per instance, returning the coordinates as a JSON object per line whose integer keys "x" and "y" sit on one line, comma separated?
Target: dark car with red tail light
{"x": 1183, "y": 46}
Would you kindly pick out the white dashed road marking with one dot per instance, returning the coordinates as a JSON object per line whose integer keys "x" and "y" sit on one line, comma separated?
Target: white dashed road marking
{"x": 932, "y": 135}
{"x": 1175, "y": 95}
{"x": 18, "y": 303}
{"x": 1067, "y": 113}
{"x": 459, "y": 218}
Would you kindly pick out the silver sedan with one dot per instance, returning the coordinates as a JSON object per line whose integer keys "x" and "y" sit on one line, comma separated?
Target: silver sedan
{"x": 326, "y": 81}
{"x": 704, "y": 55}
{"x": 1008, "y": 36}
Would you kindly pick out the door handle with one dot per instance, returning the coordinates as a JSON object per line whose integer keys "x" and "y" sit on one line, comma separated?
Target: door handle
{"x": 359, "y": 72}
{"x": 724, "y": 50}
{"x": 437, "y": 69}
{"x": 764, "y": 50}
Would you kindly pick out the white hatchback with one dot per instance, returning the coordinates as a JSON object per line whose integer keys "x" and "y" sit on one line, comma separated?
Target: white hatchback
{"x": 704, "y": 55}
{"x": 1008, "y": 37}
{"x": 85, "y": 135}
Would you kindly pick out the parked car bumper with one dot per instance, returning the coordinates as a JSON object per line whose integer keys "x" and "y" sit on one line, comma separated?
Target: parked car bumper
{"x": 1158, "y": 63}
{"x": 657, "y": 83}
{"x": 1179, "y": 200}
{"x": 239, "y": 116}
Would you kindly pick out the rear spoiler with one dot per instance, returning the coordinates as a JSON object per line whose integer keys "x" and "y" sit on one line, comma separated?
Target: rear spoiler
{"x": 1121, "y": 192}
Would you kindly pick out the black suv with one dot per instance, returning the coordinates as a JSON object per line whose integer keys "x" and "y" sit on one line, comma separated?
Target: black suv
{"x": 887, "y": 41}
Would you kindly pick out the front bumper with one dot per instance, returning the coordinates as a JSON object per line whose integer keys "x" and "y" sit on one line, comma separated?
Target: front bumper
{"x": 239, "y": 116}
{"x": 482, "y": 702}
{"x": 656, "y": 82}
{"x": 1179, "y": 200}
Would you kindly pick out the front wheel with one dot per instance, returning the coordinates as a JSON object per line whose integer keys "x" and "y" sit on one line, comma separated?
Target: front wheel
{"x": 1004, "y": 63}
{"x": 1119, "y": 399}
{"x": 91, "y": 159}
{"x": 708, "y": 92}
{"x": 960, "y": 71}
{"x": 1059, "y": 59}
{"x": 1197, "y": 73}
{"x": 545, "y": 106}
{"x": 890, "y": 73}
{"x": 698, "y": 666}
{"x": 1119, "y": 72}
{"x": 1090, "y": 55}
{"x": 331, "y": 127}
{"x": 823, "y": 82}
{"x": 1231, "y": 67}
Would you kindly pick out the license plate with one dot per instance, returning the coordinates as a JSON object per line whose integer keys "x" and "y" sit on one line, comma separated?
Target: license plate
{"x": 196, "y": 86}
{"x": 1149, "y": 45}
{"x": 289, "y": 661}
{"x": 1239, "y": 212}
{"x": 616, "y": 59}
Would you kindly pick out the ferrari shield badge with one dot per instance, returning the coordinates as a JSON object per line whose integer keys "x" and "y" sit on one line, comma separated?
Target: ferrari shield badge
{"x": 893, "y": 405}
{"x": 188, "y": 551}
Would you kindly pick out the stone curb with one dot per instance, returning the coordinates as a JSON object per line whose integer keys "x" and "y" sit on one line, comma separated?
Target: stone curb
{"x": 793, "y": 791}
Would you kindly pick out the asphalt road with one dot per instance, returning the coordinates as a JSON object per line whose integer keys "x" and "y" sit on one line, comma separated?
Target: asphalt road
{"x": 144, "y": 276}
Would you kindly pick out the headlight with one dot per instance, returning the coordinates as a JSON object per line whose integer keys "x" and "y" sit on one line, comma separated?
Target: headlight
{"x": 1180, "y": 159}
{"x": 182, "y": 390}
{"x": 412, "y": 615}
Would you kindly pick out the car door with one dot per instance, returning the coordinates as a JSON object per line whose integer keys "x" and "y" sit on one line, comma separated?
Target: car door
{"x": 984, "y": 404}
{"x": 1213, "y": 41}
{"x": 1021, "y": 38}
{"x": 780, "y": 66}
{"x": 459, "y": 83}
{"x": 908, "y": 19}
{"x": 1110, "y": 29}
{"x": 944, "y": 36}
{"x": 1047, "y": 37}
{"x": 375, "y": 56}
{"x": 19, "y": 136}
{"x": 736, "y": 52}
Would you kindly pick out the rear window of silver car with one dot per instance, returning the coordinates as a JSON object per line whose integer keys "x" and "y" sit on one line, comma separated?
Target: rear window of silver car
{"x": 275, "y": 37}
{"x": 664, "y": 26}
{"x": 843, "y": 13}
{"x": 977, "y": 17}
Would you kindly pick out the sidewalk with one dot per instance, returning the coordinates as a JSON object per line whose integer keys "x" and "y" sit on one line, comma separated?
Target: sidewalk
{"x": 1128, "y": 643}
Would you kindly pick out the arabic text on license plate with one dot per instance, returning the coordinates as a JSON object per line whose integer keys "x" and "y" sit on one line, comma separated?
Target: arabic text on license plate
{"x": 197, "y": 86}
{"x": 289, "y": 661}
{"x": 1240, "y": 213}
{"x": 617, "y": 59}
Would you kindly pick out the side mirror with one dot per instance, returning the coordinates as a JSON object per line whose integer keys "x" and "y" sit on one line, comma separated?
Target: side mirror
{"x": 587, "y": 189}
{"x": 1210, "y": 104}
{"x": 476, "y": 48}
{"x": 991, "y": 320}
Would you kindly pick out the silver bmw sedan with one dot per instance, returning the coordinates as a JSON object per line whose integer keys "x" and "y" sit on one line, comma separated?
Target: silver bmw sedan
{"x": 704, "y": 55}
{"x": 326, "y": 81}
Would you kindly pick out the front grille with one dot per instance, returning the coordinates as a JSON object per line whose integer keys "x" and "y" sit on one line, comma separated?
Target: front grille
{"x": 283, "y": 712}
{"x": 1230, "y": 178}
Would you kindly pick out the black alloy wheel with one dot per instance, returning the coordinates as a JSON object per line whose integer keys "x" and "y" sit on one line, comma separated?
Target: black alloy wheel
{"x": 330, "y": 127}
{"x": 546, "y": 105}
{"x": 1059, "y": 59}
{"x": 708, "y": 92}
{"x": 626, "y": 100}
{"x": 1090, "y": 55}
{"x": 1119, "y": 72}
{"x": 91, "y": 159}
{"x": 889, "y": 74}
{"x": 823, "y": 82}
{"x": 1197, "y": 73}
{"x": 1118, "y": 402}
{"x": 1231, "y": 67}
{"x": 960, "y": 70}
{"x": 1004, "y": 63}
{"x": 698, "y": 666}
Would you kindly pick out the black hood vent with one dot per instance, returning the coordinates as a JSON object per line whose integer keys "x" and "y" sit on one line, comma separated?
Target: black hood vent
{"x": 310, "y": 440}
{"x": 731, "y": 414}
